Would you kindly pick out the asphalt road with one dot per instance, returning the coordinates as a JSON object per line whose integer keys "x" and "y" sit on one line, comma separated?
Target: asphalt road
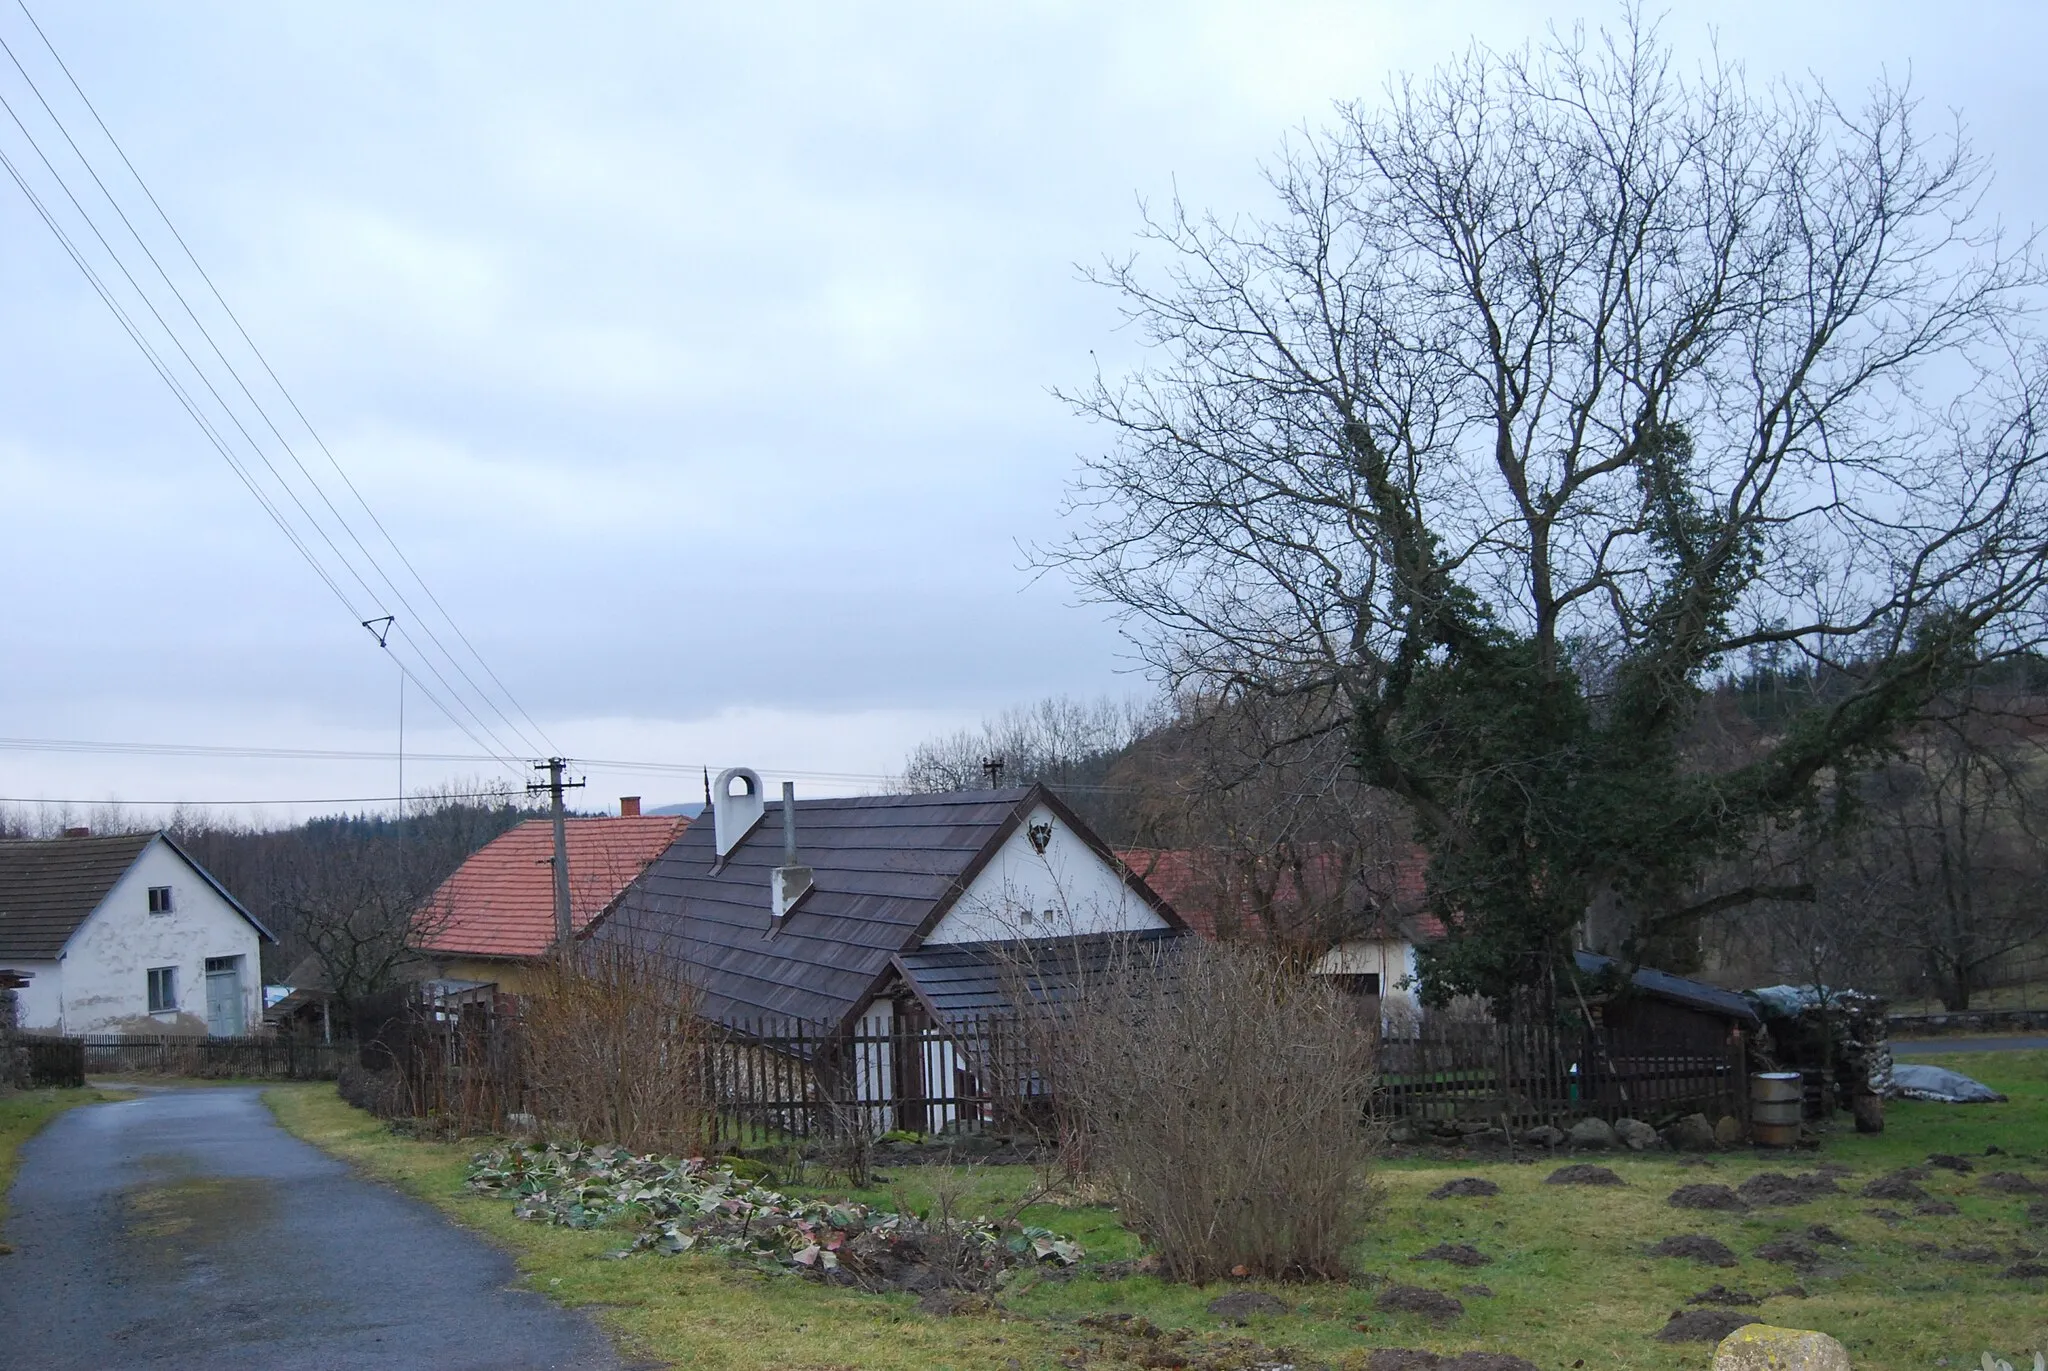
{"x": 186, "y": 1229}
{"x": 1936, "y": 1046}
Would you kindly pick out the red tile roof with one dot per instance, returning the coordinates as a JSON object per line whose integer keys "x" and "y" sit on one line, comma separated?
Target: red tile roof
{"x": 501, "y": 902}
{"x": 1195, "y": 882}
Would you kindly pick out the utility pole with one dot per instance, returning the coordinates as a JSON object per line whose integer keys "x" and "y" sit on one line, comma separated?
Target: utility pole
{"x": 554, "y": 786}
{"x": 380, "y": 629}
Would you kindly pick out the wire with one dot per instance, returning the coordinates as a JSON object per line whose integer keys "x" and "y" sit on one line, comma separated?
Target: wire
{"x": 217, "y": 804}
{"x": 501, "y": 751}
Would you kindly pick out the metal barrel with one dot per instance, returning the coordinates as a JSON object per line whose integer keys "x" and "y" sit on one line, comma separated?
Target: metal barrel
{"x": 1775, "y": 1099}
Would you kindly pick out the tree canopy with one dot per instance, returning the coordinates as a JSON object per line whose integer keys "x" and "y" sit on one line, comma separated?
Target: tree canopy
{"x": 1557, "y": 385}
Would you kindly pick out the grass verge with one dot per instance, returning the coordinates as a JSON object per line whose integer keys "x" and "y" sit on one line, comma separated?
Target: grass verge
{"x": 1567, "y": 1283}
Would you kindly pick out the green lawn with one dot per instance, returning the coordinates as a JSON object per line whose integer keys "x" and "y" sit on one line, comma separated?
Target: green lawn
{"x": 1569, "y": 1279}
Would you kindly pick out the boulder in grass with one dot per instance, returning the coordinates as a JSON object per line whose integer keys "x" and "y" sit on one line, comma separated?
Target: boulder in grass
{"x": 1693, "y": 1133}
{"x": 1762, "y": 1347}
{"x": 1728, "y": 1130}
{"x": 1635, "y": 1134}
{"x": 1543, "y": 1135}
{"x": 1594, "y": 1134}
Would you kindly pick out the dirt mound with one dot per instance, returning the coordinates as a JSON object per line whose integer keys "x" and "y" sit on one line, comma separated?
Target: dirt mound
{"x": 1242, "y": 1304}
{"x": 2011, "y": 1183}
{"x": 2026, "y": 1271}
{"x": 1898, "y": 1185}
{"x": 1773, "y": 1188}
{"x": 1697, "y": 1246}
{"x": 1477, "y": 1292}
{"x": 1465, "y": 1187}
{"x": 1433, "y": 1305}
{"x": 1977, "y": 1254}
{"x": 1417, "y": 1359}
{"x": 1456, "y": 1253}
{"x": 1825, "y": 1235}
{"x": 2037, "y": 1212}
{"x": 1721, "y": 1294}
{"x": 948, "y": 1304}
{"x": 1583, "y": 1173}
{"x": 1949, "y": 1161}
{"x": 1790, "y": 1250}
{"x": 1706, "y": 1197}
{"x": 1702, "y": 1325}
{"x": 1935, "y": 1209}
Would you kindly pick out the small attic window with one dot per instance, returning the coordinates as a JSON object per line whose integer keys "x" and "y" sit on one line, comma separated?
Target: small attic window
{"x": 159, "y": 899}
{"x": 1040, "y": 835}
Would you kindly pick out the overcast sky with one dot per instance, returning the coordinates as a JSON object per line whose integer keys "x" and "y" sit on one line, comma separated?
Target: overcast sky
{"x": 698, "y": 356}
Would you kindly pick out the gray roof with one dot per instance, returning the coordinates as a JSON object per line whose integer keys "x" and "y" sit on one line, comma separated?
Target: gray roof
{"x": 885, "y": 868}
{"x": 48, "y": 887}
{"x": 1665, "y": 986}
{"x": 965, "y": 980}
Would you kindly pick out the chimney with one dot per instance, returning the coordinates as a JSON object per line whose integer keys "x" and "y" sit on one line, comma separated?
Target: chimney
{"x": 789, "y": 882}
{"x": 629, "y": 806}
{"x": 733, "y": 816}
{"x": 78, "y": 833}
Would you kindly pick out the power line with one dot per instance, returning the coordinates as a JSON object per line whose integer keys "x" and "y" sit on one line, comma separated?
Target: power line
{"x": 217, "y": 804}
{"x": 501, "y": 751}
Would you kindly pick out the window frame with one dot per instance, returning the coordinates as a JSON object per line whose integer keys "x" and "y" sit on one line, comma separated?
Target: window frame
{"x": 161, "y": 901}
{"x": 161, "y": 989}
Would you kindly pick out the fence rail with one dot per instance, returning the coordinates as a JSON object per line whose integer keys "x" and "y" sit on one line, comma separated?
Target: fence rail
{"x": 39, "y": 1060}
{"x": 278, "y": 1058}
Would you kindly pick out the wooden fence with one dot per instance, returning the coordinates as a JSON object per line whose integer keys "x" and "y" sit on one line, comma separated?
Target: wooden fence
{"x": 40, "y": 1060}
{"x": 1522, "y": 1075}
{"x": 278, "y": 1058}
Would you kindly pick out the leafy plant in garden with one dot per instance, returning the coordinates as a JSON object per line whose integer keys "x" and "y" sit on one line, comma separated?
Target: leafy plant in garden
{"x": 680, "y": 1205}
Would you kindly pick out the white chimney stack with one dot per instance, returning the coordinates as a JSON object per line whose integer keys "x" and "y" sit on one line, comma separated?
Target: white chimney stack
{"x": 733, "y": 816}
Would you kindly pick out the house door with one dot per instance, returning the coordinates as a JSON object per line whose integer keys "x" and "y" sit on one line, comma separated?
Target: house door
{"x": 224, "y": 1015}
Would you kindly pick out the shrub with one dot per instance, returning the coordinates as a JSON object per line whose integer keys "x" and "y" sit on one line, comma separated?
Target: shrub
{"x": 1221, "y": 1095}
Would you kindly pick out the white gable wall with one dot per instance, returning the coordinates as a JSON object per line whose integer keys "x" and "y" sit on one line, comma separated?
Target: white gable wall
{"x": 105, "y": 981}
{"x": 40, "y": 1003}
{"x": 1023, "y": 893}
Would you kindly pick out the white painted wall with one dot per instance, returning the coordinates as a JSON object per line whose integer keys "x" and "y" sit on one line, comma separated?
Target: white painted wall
{"x": 41, "y": 1000}
{"x": 104, "y": 984}
{"x": 1023, "y": 893}
{"x": 1391, "y": 959}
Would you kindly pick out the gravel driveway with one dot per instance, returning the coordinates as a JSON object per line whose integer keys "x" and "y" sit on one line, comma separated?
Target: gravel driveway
{"x": 186, "y": 1229}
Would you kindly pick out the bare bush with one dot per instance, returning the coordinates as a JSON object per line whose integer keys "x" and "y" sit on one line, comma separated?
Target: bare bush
{"x": 614, "y": 1051}
{"x": 1221, "y": 1096}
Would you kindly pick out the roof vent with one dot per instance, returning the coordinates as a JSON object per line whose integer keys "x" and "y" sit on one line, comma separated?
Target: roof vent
{"x": 733, "y": 816}
{"x": 789, "y": 882}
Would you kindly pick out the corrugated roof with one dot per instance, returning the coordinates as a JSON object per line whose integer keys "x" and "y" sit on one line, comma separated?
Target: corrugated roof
{"x": 501, "y": 902}
{"x": 884, "y": 868}
{"x": 48, "y": 887}
{"x": 1664, "y": 985}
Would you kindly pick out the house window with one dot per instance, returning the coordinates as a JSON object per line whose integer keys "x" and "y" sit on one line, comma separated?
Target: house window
{"x": 163, "y": 989}
{"x": 1366, "y": 984}
{"x": 159, "y": 899}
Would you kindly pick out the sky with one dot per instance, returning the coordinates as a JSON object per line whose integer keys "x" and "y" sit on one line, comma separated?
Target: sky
{"x": 701, "y": 359}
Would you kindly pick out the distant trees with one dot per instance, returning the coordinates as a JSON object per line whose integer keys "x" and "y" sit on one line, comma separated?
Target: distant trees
{"x": 1558, "y": 383}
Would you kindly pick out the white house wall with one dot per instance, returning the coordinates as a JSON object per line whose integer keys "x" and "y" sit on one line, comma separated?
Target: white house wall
{"x": 108, "y": 959}
{"x": 39, "y": 1004}
{"x": 1022, "y": 893}
{"x": 1392, "y": 960}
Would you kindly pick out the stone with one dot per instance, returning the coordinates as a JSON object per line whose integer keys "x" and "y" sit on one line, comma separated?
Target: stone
{"x": 1728, "y": 1130}
{"x": 1240, "y": 1305}
{"x": 1763, "y": 1347}
{"x": 1543, "y": 1135}
{"x": 1402, "y": 1132}
{"x": 1693, "y": 1133}
{"x": 1596, "y": 1134}
{"x": 1636, "y": 1135}
{"x": 1465, "y": 1187}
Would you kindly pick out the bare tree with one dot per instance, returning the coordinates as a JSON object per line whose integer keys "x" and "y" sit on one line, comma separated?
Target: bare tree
{"x": 1559, "y": 379}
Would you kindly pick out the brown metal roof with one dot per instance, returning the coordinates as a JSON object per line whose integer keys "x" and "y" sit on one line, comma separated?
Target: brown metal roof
{"x": 885, "y": 868}
{"x": 49, "y": 887}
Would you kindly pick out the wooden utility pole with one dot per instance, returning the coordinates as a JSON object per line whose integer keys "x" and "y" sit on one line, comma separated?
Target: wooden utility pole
{"x": 554, "y": 786}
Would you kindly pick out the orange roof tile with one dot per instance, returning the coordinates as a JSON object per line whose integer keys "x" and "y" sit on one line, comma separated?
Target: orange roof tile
{"x": 1191, "y": 881}
{"x": 501, "y": 902}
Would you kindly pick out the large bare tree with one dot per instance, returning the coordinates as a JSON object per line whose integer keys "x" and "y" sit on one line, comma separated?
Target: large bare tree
{"x": 1558, "y": 379}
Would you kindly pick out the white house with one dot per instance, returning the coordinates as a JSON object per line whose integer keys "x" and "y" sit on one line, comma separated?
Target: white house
{"x": 884, "y": 919}
{"x": 126, "y": 934}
